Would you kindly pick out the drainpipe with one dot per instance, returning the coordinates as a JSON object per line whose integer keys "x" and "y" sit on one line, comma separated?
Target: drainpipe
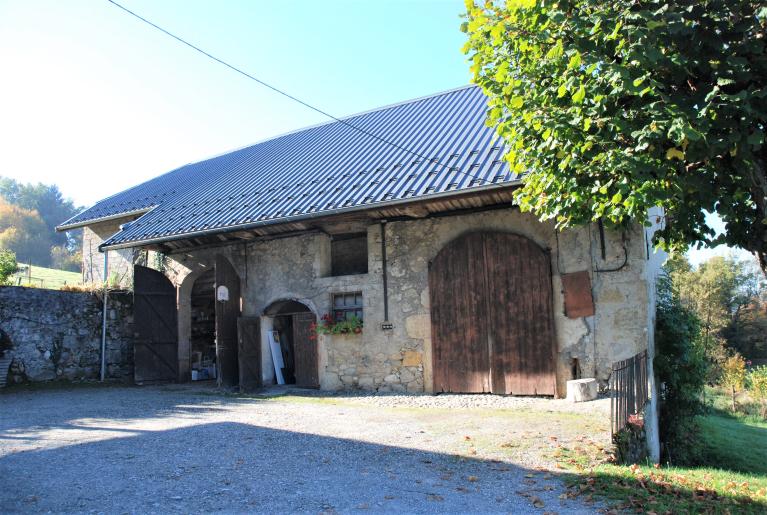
{"x": 104, "y": 318}
{"x": 386, "y": 324}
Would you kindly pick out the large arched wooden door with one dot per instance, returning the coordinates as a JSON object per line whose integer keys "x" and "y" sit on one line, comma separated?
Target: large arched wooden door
{"x": 492, "y": 317}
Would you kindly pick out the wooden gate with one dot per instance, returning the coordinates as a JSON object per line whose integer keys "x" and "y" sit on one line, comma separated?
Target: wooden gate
{"x": 305, "y": 351}
{"x": 249, "y": 352}
{"x": 155, "y": 347}
{"x": 492, "y": 317}
{"x": 227, "y": 313}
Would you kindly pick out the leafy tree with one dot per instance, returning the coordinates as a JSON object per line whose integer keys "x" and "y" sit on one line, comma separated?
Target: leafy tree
{"x": 47, "y": 200}
{"x": 748, "y": 333}
{"x": 8, "y": 265}
{"x": 734, "y": 375}
{"x": 64, "y": 259}
{"x": 49, "y": 205}
{"x": 617, "y": 106}
{"x": 757, "y": 386}
{"x": 726, "y": 295}
{"x": 681, "y": 368}
{"x": 24, "y": 232}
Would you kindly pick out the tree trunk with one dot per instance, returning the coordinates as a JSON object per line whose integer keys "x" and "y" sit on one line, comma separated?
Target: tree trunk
{"x": 733, "y": 399}
{"x": 759, "y": 192}
{"x": 761, "y": 257}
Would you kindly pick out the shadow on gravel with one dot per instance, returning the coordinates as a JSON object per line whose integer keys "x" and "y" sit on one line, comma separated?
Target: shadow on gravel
{"x": 235, "y": 467}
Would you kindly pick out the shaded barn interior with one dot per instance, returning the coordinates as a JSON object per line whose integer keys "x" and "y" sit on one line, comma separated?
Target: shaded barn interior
{"x": 203, "y": 341}
{"x": 291, "y": 320}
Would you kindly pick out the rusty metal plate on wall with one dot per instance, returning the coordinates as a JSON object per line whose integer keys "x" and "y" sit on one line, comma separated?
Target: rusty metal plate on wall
{"x": 577, "y": 290}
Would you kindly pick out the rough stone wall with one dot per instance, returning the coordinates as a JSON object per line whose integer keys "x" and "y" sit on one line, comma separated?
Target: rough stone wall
{"x": 120, "y": 261}
{"x": 399, "y": 359}
{"x": 56, "y": 335}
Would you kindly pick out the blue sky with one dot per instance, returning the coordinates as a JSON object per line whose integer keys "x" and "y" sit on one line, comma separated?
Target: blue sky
{"x": 95, "y": 101}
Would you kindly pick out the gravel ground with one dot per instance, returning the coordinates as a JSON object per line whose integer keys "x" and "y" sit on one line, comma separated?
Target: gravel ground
{"x": 190, "y": 449}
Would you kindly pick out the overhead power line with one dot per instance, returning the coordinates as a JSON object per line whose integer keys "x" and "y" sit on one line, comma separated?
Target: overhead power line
{"x": 288, "y": 95}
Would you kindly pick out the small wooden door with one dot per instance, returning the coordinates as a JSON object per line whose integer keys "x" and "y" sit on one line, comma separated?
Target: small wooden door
{"x": 305, "y": 351}
{"x": 492, "y": 316}
{"x": 155, "y": 346}
{"x": 249, "y": 353}
{"x": 227, "y": 313}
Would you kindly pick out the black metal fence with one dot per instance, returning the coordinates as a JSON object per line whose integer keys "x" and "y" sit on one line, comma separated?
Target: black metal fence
{"x": 628, "y": 384}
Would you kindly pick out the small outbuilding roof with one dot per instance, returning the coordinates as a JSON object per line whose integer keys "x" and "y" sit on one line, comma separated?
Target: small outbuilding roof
{"x": 428, "y": 147}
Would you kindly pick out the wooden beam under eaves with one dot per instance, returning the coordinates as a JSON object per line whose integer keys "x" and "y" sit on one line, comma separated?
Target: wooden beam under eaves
{"x": 244, "y": 235}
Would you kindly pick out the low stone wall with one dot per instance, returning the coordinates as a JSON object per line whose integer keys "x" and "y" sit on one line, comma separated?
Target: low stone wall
{"x": 349, "y": 368}
{"x": 56, "y": 335}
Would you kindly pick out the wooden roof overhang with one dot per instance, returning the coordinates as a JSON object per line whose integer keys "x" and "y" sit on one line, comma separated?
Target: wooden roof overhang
{"x": 354, "y": 221}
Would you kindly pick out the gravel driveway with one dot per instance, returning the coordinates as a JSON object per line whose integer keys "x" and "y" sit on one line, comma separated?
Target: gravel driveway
{"x": 191, "y": 449}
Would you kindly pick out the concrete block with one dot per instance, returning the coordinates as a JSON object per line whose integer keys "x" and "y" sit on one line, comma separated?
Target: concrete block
{"x": 582, "y": 390}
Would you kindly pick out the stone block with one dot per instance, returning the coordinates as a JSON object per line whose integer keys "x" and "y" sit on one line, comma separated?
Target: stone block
{"x": 582, "y": 390}
{"x": 418, "y": 326}
{"x": 412, "y": 359}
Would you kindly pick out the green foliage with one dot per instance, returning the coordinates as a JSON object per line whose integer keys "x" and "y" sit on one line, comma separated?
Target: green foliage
{"x": 757, "y": 387}
{"x": 614, "y": 107}
{"x": 726, "y": 295}
{"x": 733, "y": 375}
{"x": 64, "y": 259}
{"x": 23, "y": 232}
{"x": 8, "y": 265}
{"x": 351, "y": 325}
{"x": 734, "y": 372}
{"x": 49, "y": 203}
{"x": 680, "y": 366}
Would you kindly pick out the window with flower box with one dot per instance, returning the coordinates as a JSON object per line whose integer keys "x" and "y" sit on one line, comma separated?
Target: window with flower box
{"x": 347, "y": 306}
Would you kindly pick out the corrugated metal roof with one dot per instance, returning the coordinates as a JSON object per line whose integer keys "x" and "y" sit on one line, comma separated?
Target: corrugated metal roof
{"x": 327, "y": 168}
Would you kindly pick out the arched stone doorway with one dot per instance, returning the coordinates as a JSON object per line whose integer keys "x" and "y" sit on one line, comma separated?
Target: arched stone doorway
{"x": 492, "y": 316}
{"x": 290, "y": 329}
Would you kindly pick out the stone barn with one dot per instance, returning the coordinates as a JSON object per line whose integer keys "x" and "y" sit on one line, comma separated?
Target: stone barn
{"x": 381, "y": 252}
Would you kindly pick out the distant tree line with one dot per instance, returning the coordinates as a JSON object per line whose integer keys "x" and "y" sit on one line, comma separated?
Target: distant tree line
{"x": 729, "y": 297}
{"x": 29, "y": 214}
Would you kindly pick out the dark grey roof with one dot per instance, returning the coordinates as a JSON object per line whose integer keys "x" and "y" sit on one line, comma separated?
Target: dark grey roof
{"x": 320, "y": 170}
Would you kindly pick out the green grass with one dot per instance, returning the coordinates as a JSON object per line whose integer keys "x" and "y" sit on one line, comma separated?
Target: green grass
{"x": 736, "y": 444}
{"x": 732, "y": 479}
{"x": 49, "y": 278}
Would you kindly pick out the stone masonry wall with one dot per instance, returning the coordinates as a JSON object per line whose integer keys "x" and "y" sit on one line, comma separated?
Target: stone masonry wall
{"x": 56, "y": 335}
{"x": 399, "y": 359}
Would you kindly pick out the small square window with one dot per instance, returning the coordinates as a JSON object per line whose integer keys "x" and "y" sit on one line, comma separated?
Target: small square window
{"x": 347, "y": 306}
{"x": 349, "y": 254}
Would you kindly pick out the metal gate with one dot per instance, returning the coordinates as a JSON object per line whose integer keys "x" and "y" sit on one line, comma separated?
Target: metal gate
{"x": 492, "y": 317}
{"x": 155, "y": 347}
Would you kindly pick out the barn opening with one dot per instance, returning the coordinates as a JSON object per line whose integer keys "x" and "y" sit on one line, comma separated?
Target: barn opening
{"x": 293, "y": 344}
{"x": 492, "y": 316}
{"x": 203, "y": 339}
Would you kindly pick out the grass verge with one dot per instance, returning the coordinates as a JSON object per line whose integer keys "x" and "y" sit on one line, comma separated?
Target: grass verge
{"x": 732, "y": 479}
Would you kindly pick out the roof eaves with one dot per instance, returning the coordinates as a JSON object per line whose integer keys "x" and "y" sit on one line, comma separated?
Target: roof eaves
{"x": 296, "y": 218}
{"x": 66, "y": 226}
